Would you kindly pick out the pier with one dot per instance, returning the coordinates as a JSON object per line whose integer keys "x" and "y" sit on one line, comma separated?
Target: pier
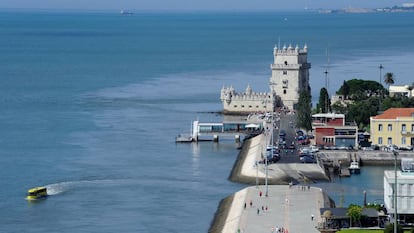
{"x": 232, "y": 127}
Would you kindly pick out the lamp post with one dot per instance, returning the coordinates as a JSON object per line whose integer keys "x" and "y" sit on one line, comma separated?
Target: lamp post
{"x": 266, "y": 184}
{"x": 380, "y": 92}
{"x": 267, "y": 189}
{"x": 365, "y": 198}
{"x": 257, "y": 174}
{"x": 380, "y": 78}
{"x": 395, "y": 191}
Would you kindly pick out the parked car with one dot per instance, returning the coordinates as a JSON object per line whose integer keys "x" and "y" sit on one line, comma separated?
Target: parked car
{"x": 406, "y": 148}
{"x": 308, "y": 159}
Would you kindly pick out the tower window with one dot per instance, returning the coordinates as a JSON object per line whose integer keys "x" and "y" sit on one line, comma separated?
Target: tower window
{"x": 284, "y": 92}
{"x": 285, "y": 83}
{"x": 286, "y": 63}
{"x": 285, "y": 72}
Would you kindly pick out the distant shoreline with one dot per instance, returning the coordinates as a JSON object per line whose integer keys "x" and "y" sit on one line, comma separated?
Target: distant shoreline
{"x": 354, "y": 10}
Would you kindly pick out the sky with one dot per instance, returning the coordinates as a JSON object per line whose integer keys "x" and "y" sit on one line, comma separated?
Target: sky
{"x": 195, "y": 5}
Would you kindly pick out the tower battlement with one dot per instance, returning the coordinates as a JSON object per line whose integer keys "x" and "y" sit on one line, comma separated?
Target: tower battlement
{"x": 247, "y": 101}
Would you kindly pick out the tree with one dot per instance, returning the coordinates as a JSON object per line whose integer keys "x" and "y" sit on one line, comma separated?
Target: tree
{"x": 355, "y": 213}
{"x": 345, "y": 90}
{"x": 389, "y": 79}
{"x": 410, "y": 88}
{"x": 390, "y": 228}
{"x": 304, "y": 111}
{"x": 324, "y": 104}
{"x": 358, "y": 89}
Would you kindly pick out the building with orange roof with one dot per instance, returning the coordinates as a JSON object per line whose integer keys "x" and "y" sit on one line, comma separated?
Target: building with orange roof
{"x": 394, "y": 126}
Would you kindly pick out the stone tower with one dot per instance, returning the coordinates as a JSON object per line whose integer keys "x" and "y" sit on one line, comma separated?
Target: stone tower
{"x": 290, "y": 74}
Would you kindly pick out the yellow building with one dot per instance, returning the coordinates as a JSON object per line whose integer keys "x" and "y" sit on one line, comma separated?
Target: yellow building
{"x": 395, "y": 126}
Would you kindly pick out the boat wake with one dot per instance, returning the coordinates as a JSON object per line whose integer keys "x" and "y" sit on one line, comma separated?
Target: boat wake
{"x": 61, "y": 187}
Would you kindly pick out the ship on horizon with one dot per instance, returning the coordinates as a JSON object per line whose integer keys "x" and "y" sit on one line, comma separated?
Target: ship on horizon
{"x": 124, "y": 12}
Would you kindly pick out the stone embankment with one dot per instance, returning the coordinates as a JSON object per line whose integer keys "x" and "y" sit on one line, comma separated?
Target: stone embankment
{"x": 373, "y": 158}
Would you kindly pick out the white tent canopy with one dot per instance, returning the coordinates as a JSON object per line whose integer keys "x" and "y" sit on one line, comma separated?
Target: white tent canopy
{"x": 252, "y": 126}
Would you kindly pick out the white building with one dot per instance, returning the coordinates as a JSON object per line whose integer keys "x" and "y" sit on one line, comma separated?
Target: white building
{"x": 401, "y": 90}
{"x": 290, "y": 76}
{"x": 405, "y": 191}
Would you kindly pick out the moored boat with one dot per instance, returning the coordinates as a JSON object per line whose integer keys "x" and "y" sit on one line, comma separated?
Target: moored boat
{"x": 36, "y": 193}
{"x": 183, "y": 138}
{"x": 354, "y": 168}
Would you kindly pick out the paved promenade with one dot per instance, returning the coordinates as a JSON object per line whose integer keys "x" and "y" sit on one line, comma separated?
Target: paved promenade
{"x": 290, "y": 208}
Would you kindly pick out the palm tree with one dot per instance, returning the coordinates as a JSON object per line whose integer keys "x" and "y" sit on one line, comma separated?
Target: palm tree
{"x": 389, "y": 79}
{"x": 410, "y": 88}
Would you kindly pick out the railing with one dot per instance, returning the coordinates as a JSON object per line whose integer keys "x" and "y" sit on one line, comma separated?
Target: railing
{"x": 283, "y": 66}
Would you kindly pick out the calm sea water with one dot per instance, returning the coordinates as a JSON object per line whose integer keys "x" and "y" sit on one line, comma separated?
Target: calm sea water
{"x": 91, "y": 102}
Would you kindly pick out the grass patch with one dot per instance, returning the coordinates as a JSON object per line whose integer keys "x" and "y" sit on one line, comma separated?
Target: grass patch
{"x": 360, "y": 231}
{"x": 364, "y": 231}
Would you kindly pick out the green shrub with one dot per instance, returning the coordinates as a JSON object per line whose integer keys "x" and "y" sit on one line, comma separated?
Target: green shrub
{"x": 390, "y": 228}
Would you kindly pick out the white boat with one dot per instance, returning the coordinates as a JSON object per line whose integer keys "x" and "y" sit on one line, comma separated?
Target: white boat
{"x": 185, "y": 137}
{"x": 354, "y": 168}
{"x": 124, "y": 12}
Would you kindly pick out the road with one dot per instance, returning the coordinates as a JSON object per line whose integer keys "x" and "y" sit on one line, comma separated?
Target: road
{"x": 286, "y": 123}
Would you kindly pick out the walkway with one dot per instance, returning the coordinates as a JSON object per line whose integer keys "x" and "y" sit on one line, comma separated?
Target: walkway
{"x": 290, "y": 208}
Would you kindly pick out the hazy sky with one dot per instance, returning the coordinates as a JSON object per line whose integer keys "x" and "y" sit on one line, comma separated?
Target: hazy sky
{"x": 138, "y": 5}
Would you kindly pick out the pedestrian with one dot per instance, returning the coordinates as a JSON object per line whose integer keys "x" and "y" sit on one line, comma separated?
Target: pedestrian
{"x": 245, "y": 205}
{"x": 266, "y": 208}
{"x": 260, "y": 193}
{"x": 258, "y": 211}
{"x": 251, "y": 203}
{"x": 312, "y": 217}
{"x": 262, "y": 208}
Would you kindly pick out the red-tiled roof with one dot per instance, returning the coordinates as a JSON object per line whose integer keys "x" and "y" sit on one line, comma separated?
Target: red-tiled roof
{"x": 393, "y": 113}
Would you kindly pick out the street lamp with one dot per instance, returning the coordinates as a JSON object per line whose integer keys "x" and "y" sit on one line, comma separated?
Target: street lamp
{"x": 395, "y": 191}
{"x": 380, "y": 92}
{"x": 365, "y": 198}
{"x": 257, "y": 174}
{"x": 267, "y": 170}
{"x": 381, "y": 67}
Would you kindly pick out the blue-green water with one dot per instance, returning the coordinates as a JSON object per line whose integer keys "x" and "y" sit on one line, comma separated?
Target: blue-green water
{"x": 91, "y": 102}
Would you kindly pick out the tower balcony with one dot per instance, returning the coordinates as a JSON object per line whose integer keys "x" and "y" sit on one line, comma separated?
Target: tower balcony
{"x": 290, "y": 66}
{"x": 285, "y": 67}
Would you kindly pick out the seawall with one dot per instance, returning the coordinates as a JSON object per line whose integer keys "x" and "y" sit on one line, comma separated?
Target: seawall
{"x": 219, "y": 220}
{"x": 367, "y": 158}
